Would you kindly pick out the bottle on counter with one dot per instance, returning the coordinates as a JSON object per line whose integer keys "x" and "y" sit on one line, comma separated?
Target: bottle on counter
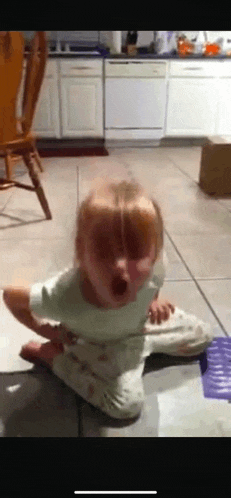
{"x": 210, "y": 49}
{"x": 131, "y": 43}
{"x": 199, "y": 43}
{"x": 226, "y": 49}
{"x": 184, "y": 46}
{"x": 116, "y": 42}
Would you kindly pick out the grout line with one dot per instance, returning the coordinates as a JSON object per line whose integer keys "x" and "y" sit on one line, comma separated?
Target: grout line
{"x": 79, "y": 404}
{"x": 7, "y": 201}
{"x": 199, "y": 278}
{"x": 214, "y": 278}
{"x": 196, "y": 283}
{"x": 184, "y": 173}
{"x": 196, "y": 183}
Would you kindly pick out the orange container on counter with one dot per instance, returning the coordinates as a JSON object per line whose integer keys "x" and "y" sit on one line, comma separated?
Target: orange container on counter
{"x": 185, "y": 47}
{"x": 211, "y": 49}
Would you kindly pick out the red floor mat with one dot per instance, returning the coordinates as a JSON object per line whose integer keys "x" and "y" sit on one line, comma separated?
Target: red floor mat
{"x": 73, "y": 152}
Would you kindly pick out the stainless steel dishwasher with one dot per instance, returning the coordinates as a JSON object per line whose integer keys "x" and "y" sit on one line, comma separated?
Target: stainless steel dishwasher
{"x": 135, "y": 99}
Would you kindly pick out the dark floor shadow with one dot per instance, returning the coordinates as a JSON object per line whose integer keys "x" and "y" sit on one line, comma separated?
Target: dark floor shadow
{"x": 21, "y": 222}
{"x": 157, "y": 361}
{"x": 214, "y": 195}
{"x": 39, "y": 396}
{"x": 43, "y": 406}
{"x": 153, "y": 363}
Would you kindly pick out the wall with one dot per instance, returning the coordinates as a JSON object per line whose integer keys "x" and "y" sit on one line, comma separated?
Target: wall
{"x": 212, "y": 35}
{"x": 144, "y": 37}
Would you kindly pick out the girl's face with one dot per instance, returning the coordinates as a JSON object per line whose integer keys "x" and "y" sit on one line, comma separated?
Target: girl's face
{"x": 113, "y": 278}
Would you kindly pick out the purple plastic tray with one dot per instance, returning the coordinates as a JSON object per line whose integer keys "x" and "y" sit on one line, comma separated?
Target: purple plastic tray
{"x": 215, "y": 365}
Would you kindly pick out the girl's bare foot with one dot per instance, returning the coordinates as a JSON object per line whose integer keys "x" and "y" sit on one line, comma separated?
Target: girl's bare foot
{"x": 38, "y": 353}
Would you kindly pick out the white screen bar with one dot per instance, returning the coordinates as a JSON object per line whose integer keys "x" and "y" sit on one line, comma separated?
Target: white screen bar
{"x": 116, "y": 492}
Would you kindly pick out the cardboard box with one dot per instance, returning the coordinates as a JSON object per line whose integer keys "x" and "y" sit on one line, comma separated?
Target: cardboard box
{"x": 215, "y": 168}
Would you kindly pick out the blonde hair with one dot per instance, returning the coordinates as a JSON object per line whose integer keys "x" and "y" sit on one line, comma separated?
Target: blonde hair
{"x": 119, "y": 216}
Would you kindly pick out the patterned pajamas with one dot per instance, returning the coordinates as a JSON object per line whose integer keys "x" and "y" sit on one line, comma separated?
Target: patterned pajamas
{"x": 109, "y": 375}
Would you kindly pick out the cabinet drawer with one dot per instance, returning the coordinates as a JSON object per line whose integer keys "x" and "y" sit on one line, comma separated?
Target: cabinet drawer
{"x": 81, "y": 67}
{"x": 133, "y": 69}
{"x": 194, "y": 68}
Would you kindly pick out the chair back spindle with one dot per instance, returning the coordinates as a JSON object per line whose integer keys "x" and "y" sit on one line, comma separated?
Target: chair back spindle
{"x": 34, "y": 77}
{"x": 11, "y": 66}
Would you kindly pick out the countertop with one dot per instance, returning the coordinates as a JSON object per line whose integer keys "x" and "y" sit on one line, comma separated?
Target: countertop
{"x": 173, "y": 56}
{"x": 142, "y": 55}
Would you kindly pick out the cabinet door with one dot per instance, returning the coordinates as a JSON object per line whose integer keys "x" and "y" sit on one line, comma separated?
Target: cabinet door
{"x": 224, "y": 107}
{"x": 82, "y": 107}
{"x": 46, "y": 120}
{"x": 192, "y": 107}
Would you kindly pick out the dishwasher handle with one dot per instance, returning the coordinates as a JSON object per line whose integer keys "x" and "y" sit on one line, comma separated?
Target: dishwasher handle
{"x": 193, "y": 68}
{"x": 119, "y": 62}
{"x": 131, "y": 62}
{"x": 128, "y": 62}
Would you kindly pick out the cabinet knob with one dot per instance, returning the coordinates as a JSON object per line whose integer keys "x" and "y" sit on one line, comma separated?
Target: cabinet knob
{"x": 82, "y": 67}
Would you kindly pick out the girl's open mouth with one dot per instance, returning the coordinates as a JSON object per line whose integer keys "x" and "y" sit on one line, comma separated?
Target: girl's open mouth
{"x": 119, "y": 287}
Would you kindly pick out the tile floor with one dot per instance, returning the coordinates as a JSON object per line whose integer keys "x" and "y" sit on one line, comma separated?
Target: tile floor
{"x": 33, "y": 402}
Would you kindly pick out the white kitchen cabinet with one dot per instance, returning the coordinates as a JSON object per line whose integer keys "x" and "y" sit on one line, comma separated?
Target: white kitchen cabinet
{"x": 46, "y": 122}
{"x": 224, "y": 107}
{"x": 71, "y": 99}
{"x": 192, "y": 106}
{"x": 81, "y": 107}
{"x": 81, "y": 98}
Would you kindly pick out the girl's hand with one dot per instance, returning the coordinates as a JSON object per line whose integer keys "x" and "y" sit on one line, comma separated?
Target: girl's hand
{"x": 64, "y": 336}
{"x": 159, "y": 310}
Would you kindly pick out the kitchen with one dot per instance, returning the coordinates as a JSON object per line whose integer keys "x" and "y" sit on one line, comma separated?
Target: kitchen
{"x": 131, "y": 94}
{"x": 100, "y": 86}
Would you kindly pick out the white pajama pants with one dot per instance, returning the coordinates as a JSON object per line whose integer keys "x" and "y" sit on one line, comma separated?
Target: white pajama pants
{"x": 109, "y": 375}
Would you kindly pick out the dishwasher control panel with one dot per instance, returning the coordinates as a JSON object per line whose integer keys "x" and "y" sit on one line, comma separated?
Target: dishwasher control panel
{"x": 124, "y": 68}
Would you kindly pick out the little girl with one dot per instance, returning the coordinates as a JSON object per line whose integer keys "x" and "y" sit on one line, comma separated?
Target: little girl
{"x": 107, "y": 304}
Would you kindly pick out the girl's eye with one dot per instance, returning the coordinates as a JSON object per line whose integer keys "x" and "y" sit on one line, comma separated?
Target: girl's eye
{"x": 107, "y": 253}
{"x": 105, "y": 249}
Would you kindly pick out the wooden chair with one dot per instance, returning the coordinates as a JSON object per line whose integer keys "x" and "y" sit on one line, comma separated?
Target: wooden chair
{"x": 16, "y": 139}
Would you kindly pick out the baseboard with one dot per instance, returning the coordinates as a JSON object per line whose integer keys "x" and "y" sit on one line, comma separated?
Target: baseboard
{"x": 163, "y": 142}
{"x": 131, "y": 143}
{"x": 183, "y": 141}
{"x": 52, "y": 143}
